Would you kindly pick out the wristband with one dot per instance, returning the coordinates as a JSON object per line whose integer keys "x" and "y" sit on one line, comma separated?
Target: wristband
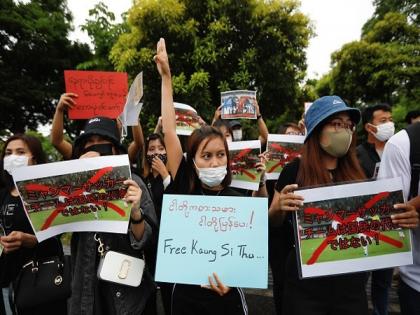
{"x": 259, "y": 116}
{"x": 132, "y": 221}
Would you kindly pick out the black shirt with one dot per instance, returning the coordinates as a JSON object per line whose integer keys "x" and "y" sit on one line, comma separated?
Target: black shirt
{"x": 368, "y": 157}
{"x": 13, "y": 218}
{"x": 192, "y": 299}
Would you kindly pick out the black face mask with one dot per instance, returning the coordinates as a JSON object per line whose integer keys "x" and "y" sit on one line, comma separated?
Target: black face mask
{"x": 102, "y": 149}
{"x": 162, "y": 157}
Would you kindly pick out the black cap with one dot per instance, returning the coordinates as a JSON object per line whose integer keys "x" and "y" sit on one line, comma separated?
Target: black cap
{"x": 235, "y": 123}
{"x": 101, "y": 126}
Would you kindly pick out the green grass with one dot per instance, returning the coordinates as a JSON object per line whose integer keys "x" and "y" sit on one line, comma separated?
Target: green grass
{"x": 309, "y": 246}
{"x": 271, "y": 163}
{"x": 246, "y": 178}
{"x": 38, "y": 218}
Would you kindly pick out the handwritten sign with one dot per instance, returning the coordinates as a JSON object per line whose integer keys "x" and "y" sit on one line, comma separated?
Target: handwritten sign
{"x": 100, "y": 93}
{"x": 76, "y": 195}
{"x": 282, "y": 149}
{"x": 187, "y": 119}
{"x": 200, "y": 235}
{"x": 239, "y": 104}
{"x": 348, "y": 228}
{"x": 243, "y": 160}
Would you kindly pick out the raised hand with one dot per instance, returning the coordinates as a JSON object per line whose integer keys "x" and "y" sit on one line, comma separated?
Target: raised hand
{"x": 161, "y": 59}
{"x": 67, "y": 101}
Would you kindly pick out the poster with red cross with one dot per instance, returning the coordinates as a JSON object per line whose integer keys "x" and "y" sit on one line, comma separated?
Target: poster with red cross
{"x": 282, "y": 149}
{"x": 348, "y": 228}
{"x": 83, "y": 195}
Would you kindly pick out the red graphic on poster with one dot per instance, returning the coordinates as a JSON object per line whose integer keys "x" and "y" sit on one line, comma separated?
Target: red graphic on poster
{"x": 78, "y": 192}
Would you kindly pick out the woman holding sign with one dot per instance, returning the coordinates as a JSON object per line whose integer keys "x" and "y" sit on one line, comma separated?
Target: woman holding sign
{"x": 19, "y": 244}
{"x": 205, "y": 171}
{"x": 328, "y": 157}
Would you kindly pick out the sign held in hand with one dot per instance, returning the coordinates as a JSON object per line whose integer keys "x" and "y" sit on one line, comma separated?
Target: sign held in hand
{"x": 100, "y": 93}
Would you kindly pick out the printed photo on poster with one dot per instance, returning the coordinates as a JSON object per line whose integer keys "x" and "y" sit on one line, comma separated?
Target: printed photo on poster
{"x": 76, "y": 195}
{"x": 187, "y": 119}
{"x": 348, "y": 228}
{"x": 282, "y": 149}
{"x": 243, "y": 164}
{"x": 100, "y": 93}
{"x": 199, "y": 235}
{"x": 239, "y": 104}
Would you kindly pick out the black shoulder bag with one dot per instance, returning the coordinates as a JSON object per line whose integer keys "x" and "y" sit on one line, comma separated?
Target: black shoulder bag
{"x": 41, "y": 281}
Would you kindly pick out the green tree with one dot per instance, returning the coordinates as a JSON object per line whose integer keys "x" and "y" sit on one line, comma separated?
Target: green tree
{"x": 103, "y": 32}
{"x": 34, "y": 51}
{"x": 384, "y": 66}
{"x": 409, "y": 8}
{"x": 216, "y": 46}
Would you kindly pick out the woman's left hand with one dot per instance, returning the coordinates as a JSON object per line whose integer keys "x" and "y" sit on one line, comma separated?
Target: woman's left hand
{"x": 409, "y": 218}
{"x": 217, "y": 287}
{"x": 133, "y": 194}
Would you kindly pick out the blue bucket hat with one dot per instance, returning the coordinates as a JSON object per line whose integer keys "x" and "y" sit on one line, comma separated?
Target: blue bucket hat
{"x": 325, "y": 107}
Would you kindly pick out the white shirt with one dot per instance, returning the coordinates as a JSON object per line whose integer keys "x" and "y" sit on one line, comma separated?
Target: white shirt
{"x": 395, "y": 162}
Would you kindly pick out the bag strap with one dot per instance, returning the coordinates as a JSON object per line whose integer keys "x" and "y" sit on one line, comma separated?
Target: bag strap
{"x": 413, "y": 132}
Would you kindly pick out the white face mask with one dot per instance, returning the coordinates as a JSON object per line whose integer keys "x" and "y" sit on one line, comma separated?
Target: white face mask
{"x": 237, "y": 134}
{"x": 212, "y": 176}
{"x": 13, "y": 161}
{"x": 385, "y": 131}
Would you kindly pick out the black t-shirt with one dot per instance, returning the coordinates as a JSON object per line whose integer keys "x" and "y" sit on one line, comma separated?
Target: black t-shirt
{"x": 288, "y": 175}
{"x": 192, "y": 299}
{"x": 156, "y": 190}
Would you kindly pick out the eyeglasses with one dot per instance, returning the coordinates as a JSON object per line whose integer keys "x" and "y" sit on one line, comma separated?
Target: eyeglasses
{"x": 339, "y": 125}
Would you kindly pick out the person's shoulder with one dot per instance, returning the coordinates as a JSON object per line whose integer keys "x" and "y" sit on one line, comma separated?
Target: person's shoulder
{"x": 400, "y": 141}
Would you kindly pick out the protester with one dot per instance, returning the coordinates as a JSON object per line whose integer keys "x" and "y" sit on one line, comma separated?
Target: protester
{"x": 156, "y": 176}
{"x": 280, "y": 240}
{"x": 205, "y": 171}
{"x": 224, "y": 127}
{"x": 290, "y": 129}
{"x": 328, "y": 157}
{"x": 90, "y": 295}
{"x": 412, "y": 117}
{"x": 20, "y": 243}
{"x": 379, "y": 127}
{"x": 399, "y": 160}
{"x": 68, "y": 101}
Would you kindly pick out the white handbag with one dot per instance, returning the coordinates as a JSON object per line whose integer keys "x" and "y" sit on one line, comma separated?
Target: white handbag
{"x": 119, "y": 268}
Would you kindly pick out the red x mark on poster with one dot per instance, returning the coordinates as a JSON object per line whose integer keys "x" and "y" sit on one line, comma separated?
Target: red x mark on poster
{"x": 360, "y": 212}
{"x": 94, "y": 179}
{"x": 290, "y": 156}
{"x": 238, "y": 156}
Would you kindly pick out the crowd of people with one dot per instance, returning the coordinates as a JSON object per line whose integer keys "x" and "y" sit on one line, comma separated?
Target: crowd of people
{"x": 330, "y": 155}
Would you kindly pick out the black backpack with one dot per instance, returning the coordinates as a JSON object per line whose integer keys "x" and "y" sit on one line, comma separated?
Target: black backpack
{"x": 413, "y": 132}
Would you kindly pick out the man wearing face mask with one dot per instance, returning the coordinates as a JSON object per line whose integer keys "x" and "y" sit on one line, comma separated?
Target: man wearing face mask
{"x": 378, "y": 124}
